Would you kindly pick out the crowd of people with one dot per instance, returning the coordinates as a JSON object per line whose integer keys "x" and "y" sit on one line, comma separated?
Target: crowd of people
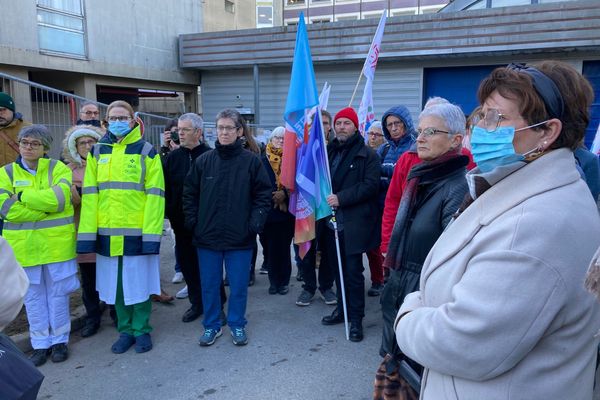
{"x": 478, "y": 232}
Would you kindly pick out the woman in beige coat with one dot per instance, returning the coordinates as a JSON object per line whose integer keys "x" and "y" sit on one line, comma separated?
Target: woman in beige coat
{"x": 502, "y": 312}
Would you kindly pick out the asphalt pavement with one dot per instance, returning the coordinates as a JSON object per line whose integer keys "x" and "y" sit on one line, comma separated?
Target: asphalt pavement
{"x": 290, "y": 354}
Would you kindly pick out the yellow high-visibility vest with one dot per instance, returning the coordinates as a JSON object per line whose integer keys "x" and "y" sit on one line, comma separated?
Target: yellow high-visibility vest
{"x": 39, "y": 224}
{"x": 123, "y": 200}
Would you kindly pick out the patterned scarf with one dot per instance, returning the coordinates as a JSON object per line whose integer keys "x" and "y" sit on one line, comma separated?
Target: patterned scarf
{"x": 432, "y": 170}
{"x": 274, "y": 157}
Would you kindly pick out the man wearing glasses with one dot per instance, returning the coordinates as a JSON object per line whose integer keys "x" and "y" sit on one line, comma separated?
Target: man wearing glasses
{"x": 89, "y": 114}
{"x": 399, "y": 132}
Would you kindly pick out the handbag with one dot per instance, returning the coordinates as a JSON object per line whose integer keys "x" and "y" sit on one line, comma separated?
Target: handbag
{"x": 392, "y": 385}
{"x": 19, "y": 378}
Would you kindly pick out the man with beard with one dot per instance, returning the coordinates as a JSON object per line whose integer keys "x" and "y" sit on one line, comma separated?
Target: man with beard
{"x": 355, "y": 172}
{"x": 11, "y": 123}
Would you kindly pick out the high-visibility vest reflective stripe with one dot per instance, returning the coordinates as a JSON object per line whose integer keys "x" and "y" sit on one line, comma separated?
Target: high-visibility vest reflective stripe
{"x": 123, "y": 199}
{"x": 39, "y": 224}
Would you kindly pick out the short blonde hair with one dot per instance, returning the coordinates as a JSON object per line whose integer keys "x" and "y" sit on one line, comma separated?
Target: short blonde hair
{"x": 120, "y": 104}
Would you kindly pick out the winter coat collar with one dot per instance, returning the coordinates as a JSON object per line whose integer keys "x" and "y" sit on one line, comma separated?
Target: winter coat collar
{"x": 536, "y": 177}
{"x": 230, "y": 150}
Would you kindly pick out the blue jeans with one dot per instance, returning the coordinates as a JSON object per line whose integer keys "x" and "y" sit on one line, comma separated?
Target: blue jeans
{"x": 177, "y": 266}
{"x": 237, "y": 266}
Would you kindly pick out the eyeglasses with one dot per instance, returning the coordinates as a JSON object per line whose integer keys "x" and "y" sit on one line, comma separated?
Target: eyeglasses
{"x": 375, "y": 134}
{"x": 395, "y": 124}
{"x": 227, "y": 129}
{"x": 91, "y": 113}
{"x": 32, "y": 145}
{"x": 120, "y": 119}
{"x": 429, "y": 132}
{"x": 277, "y": 138}
{"x": 90, "y": 142}
{"x": 186, "y": 130}
{"x": 490, "y": 119}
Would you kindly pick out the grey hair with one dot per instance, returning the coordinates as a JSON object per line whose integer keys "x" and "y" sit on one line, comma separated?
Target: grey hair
{"x": 195, "y": 119}
{"x": 376, "y": 125}
{"x": 88, "y": 103}
{"x": 432, "y": 101}
{"x": 279, "y": 131}
{"x": 39, "y": 132}
{"x": 451, "y": 114}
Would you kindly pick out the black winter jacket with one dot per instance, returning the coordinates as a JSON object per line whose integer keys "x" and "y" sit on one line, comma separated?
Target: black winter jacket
{"x": 355, "y": 181}
{"x": 175, "y": 168}
{"x": 226, "y": 198}
{"x": 437, "y": 200}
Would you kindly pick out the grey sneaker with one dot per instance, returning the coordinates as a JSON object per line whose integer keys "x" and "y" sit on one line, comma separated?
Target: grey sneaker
{"x": 239, "y": 336}
{"x": 305, "y": 298}
{"x": 329, "y": 297}
{"x": 209, "y": 337}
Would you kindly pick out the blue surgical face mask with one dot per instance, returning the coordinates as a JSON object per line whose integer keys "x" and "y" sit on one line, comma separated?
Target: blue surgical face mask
{"x": 119, "y": 128}
{"x": 494, "y": 149}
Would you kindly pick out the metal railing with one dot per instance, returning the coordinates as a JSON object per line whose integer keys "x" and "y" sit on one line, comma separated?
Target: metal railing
{"x": 59, "y": 110}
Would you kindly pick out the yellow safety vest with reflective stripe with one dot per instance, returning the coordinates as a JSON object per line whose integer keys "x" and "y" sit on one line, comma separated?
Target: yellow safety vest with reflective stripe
{"x": 123, "y": 198}
{"x": 39, "y": 224}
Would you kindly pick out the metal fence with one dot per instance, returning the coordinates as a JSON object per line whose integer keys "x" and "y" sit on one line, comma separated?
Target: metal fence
{"x": 59, "y": 110}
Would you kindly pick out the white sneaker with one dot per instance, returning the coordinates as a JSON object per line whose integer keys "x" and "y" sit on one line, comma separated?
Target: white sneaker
{"x": 177, "y": 278}
{"x": 183, "y": 293}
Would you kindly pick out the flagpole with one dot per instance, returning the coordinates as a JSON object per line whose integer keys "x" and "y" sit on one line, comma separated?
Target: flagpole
{"x": 341, "y": 272}
{"x": 337, "y": 237}
{"x": 355, "y": 88}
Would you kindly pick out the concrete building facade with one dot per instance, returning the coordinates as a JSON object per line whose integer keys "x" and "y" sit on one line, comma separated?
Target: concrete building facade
{"x": 102, "y": 50}
{"x": 445, "y": 54}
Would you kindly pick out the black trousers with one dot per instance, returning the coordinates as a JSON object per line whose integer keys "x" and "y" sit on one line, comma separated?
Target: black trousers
{"x": 89, "y": 295}
{"x": 309, "y": 273}
{"x": 278, "y": 237}
{"x": 354, "y": 280}
{"x": 188, "y": 262}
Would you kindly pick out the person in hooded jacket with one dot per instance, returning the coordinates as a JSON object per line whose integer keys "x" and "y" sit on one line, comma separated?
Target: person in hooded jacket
{"x": 76, "y": 146}
{"x": 399, "y": 132}
{"x": 226, "y": 198}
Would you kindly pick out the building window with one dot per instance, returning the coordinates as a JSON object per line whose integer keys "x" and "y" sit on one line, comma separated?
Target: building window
{"x": 346, "y": 17}
{"x": 264, "y": 16}
{"x": 230, "y": 6}
{"x": 61, "y": 27}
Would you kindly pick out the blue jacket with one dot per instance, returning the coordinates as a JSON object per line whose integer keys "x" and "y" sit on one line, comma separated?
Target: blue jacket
{"x": 391, "y": 151}
{"x": 588, "y": 163}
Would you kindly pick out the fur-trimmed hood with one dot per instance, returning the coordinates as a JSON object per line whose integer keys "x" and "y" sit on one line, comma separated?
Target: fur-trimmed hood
{"x": 69, "y": 152}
